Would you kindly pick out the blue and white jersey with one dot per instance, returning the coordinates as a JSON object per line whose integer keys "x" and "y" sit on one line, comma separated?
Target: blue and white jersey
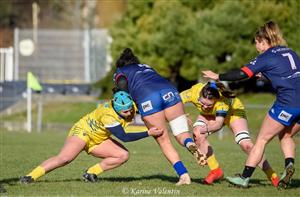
{"x": 281, "y": 66}
{"x": 142, "y": 80}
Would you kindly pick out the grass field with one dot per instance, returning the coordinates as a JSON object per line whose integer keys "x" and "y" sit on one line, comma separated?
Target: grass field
{"x": 147, "y": 173}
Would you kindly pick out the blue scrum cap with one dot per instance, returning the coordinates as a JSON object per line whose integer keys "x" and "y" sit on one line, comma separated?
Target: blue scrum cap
{"x": 122, "y": 101}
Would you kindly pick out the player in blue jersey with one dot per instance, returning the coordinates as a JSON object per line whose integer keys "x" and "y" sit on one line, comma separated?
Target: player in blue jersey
{"x": 158, "y": 102}
{"x": 92, "y": 133}
{"x": 281, "y": 66}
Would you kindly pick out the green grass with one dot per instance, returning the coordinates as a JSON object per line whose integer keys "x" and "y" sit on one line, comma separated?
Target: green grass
{"x": 147, "y": 173}
{"x": 57, "y": 112}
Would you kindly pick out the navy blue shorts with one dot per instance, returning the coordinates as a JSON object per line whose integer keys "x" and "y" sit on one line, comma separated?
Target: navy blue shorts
{"x": 284, "y": 115}
{"x": 158, "y": 101}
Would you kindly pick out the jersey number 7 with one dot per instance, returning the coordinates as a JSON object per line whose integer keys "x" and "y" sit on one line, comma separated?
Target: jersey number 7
{"x": 291, "y": 59}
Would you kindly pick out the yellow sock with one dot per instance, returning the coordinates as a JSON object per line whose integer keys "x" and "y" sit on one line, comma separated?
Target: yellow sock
{"x": 96, "y": 169}
{"x": 212, "y": 162}
{"x": 270, "y": 173}
{"x": 37, "y": 172}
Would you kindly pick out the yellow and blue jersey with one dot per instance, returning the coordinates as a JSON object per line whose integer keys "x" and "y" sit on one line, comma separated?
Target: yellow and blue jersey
{"x": 230, "y": 108}
{"x": 93, "y": 127}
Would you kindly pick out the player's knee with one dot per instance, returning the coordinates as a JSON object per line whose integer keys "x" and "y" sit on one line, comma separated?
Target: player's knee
{"x": 123, "y": 156}
{"x": 246, "y": 145}
{"x": 262, "y": 140}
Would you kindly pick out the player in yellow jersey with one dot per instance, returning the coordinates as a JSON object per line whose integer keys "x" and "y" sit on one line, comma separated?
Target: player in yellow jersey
{"x": 92, "y": 133}
{"x": 218, "y": 106}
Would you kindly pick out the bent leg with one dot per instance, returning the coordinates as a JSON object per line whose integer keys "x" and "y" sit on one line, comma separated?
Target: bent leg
{"x": 287, "y": 143}
{"x": 72, "y": 147}
{"x": 113, "y": 153}
{"x": 268, "y": 130}
{"x": 239, "y": 128}
{"x": 200, "y": 136}
{"x": 180, "y": 128}
{"x": 158, "y": 120}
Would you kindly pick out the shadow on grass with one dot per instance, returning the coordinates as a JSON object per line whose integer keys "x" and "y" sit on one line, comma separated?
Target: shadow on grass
{"x": 259, "y": 183}
{"x": 172, "y": 179}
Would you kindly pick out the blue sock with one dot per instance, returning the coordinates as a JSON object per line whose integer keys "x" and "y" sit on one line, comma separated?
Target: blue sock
{"x": 187, "y": 140}
{"x": 179, "y": 167}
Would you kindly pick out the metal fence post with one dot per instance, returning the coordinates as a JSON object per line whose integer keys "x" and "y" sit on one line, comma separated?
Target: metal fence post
{"x": 87, "y": 75}
{"x": 16, "y": 58}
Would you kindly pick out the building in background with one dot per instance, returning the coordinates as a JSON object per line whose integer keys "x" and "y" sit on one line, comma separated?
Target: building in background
{"x": 64, "y": 43}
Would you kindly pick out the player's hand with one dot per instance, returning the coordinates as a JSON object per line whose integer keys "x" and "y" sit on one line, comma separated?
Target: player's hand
{"x": 210, "y": 75}
{"x": 155, "y": 132}
{"x": 259, "y": 75}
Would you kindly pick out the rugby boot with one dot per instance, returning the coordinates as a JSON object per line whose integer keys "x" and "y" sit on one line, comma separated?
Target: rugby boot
{"x": 275, "y": 181}
{"x": 286, "y": 177}
{"x": 239, "y": 181}
{"x": 213, "y": 176}
{"x": 26, "y": 179}
{"x": 87, "y": 177}
{"x": 200, "y": 158}
{"x": 184, "y": 180}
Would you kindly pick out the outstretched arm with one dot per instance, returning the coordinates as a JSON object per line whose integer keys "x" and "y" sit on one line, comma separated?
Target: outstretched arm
{"x": 119, "y": 132}
{"x": 229, "y": 76}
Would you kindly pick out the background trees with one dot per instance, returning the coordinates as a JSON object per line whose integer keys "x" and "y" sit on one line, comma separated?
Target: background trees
{"x": 181, "y": 38}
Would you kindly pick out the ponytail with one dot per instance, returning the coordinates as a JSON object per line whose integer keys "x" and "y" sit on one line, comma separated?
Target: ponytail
{"x": 225, "y": 91}
{"x": 127, "y": 57}
{"x": 214, "y": 90}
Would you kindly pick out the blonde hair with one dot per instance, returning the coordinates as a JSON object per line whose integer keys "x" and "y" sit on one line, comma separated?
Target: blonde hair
{"x": 271, "y": 33}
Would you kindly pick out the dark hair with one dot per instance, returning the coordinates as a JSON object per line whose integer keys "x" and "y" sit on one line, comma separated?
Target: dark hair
{"x": 225, "y": 91}
{"x": 127, "y": 57}
{"x": 212, "y": 90}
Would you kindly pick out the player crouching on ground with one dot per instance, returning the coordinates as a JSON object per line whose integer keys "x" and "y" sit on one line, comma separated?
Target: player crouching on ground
{"x": 92, "y": 134}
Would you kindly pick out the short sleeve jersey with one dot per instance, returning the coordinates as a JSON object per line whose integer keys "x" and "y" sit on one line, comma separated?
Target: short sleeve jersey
{"x": 222, "y": 106}
{"x": 281, "y": 66}
{"x": 96, "y": 122}
{"x": 142, "y": 80}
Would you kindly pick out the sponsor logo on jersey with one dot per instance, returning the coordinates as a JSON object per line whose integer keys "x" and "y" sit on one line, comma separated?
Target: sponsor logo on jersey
{"x": 147, "y": 106}
{"x": 93, "y": 124}
{"x": 280, "y": 50}
{"x": 168, "y": 97}
{"x": 285, "y": 116}
{"x": 253, "y": 62}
